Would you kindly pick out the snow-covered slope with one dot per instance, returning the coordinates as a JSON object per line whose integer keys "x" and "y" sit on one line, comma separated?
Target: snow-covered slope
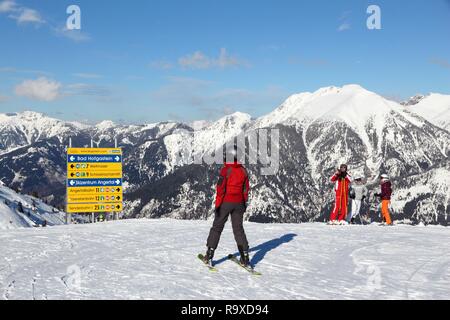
{"x": 20, "y": 129}
{"x": 156, "y": 259}
{"x": 35, "y": 212}
{"x": 433, "y": 107}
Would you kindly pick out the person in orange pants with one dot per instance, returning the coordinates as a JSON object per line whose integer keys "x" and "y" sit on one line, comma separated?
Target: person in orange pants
{"x": 385, "y": 195}
{"x": 342, "y": 184}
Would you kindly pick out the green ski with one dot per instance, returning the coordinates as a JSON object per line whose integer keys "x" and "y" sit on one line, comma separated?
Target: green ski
{"x": 249, "y": 269}
{"x": 211, "y": 268}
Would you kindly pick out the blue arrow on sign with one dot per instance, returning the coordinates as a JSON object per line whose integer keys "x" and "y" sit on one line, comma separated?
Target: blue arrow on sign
{"x": 94, "y": 182}
{"x": 93, "y": 158}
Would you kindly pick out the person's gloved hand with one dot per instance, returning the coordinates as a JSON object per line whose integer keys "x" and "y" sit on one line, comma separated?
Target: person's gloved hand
{"x": 245, "y": 206}
{"x": 217, "y": 211}
{"x": 363, "y": 198}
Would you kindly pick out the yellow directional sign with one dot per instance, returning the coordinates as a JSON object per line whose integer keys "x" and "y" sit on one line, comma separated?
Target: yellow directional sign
{"x": 94, "y": 191}
{"x": 94, "y": 180}
{"x": 100, "y": 151}
{"x": 94, "y": 207}
{"x": 106, "y": 198}
{"x": 94, "y": 174}
{"x": 95, "y": 166}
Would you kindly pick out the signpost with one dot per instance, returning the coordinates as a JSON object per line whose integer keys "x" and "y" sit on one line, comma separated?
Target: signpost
{"x": 94, "y": 180}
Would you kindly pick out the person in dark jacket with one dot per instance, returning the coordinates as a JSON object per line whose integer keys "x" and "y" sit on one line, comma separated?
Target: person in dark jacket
{"x": 231, "y": 200}
{"x": 385, "y": 195}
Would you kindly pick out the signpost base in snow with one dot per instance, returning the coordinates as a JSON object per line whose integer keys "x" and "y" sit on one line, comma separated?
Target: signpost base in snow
{"x": 68, "y": 218}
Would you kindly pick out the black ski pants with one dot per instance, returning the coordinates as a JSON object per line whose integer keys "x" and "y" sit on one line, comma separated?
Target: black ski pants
{"x": 236, "y": 210}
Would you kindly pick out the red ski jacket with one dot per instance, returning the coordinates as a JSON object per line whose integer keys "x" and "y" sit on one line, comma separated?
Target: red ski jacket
{"x": 386, "y": 190}
{"x": 342, "y": 185}
{"x": 233, "y": 185}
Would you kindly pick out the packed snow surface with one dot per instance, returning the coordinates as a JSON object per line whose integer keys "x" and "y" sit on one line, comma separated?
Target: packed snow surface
{"x": 156, "y": 259}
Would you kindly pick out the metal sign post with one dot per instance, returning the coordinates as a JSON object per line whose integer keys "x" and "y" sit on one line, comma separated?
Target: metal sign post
{"x": 68, "y": 214}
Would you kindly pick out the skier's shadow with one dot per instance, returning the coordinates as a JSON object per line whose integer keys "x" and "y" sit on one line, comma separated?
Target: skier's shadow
{"x": 262, "y": 249}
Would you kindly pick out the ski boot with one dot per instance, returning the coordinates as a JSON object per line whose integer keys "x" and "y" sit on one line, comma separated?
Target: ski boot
{"x": 245, "y": 259}
{"x": 209, "y": 256}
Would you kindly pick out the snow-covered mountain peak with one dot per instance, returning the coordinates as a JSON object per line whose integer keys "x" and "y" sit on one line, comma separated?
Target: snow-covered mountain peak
{"x": 330, "y": 103}
{"x": 19, "y": 129}
{"x": 35, "y": 119}
{"x": 235, "y": 121}
{"x": 105, "y": 125}
{"x": 199, "y": 124}
{"x": 434, "y": 107}
{"x": 21, "y": 116}
{"x": 413, "y": 100}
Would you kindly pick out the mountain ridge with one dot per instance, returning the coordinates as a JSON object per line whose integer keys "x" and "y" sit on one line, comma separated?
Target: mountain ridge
{"x": 318, "y": 131}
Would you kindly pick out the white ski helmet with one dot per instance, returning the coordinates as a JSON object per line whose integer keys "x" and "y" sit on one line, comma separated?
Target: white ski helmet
{"x": 385, "y": 176}
{"x": 232, "y": 154}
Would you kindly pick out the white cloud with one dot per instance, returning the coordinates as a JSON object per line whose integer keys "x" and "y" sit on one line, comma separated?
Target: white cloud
{"x": 199, "y": 60}
{"x": 24, "y": 15}
{"x": 344, "y": 26}
{"x": 21, "y": 14}
{"x": 27, "y": 15}
{"x": 41, "y": 89}
{"x": 344, "y": 21}
{"x": 74, "y": 35}
{"x": 8, "y": 6}
{"x": 225, "y": 60}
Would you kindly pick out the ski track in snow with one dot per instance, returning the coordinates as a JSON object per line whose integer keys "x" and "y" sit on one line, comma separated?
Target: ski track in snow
{"x": 157, "y": 259}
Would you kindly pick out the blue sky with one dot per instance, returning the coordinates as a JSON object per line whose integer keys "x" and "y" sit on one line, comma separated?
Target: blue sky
{"x": 147, "y": 61}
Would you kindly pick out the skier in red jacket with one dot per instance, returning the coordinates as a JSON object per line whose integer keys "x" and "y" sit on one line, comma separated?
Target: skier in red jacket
{"x": 231, "y": 199}
{"x": 342, "y": 181}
